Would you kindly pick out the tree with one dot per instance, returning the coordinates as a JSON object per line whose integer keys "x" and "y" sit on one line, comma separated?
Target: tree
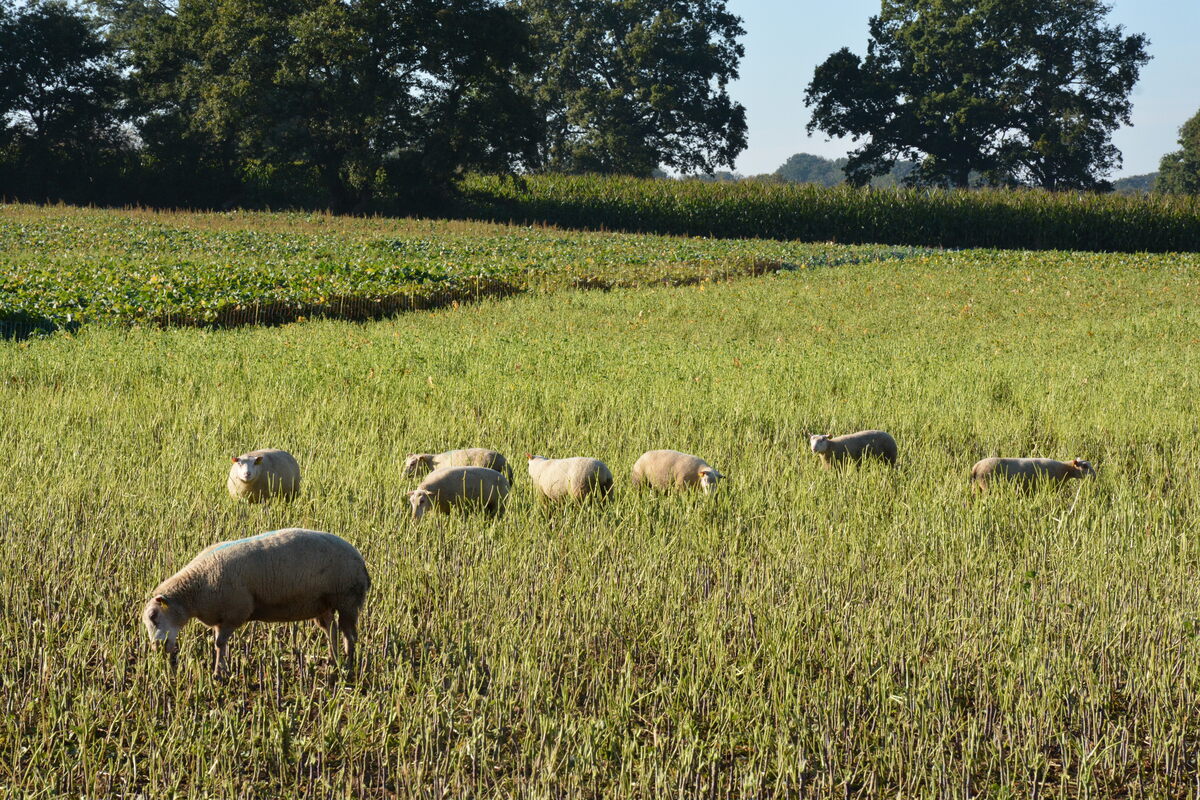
{"x": 632, "y": 85}
{"x": 1179, "y": 172}
{"x": 1024, "y": 92}
{"x": 60, "y": 97}
{"x": 369, "y": 96}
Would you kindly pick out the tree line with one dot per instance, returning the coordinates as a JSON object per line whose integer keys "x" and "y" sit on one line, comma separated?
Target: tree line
{"x": 355, "y": 104}
{"x": 382, "y": 104}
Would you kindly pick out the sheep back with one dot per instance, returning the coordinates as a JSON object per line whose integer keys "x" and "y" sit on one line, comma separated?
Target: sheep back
{"x": 1024, "y": 470}
{"x": 451, "y": 486}
{"x": 575, "y": 478}
{"x": 474, "y": 457}
{"x": 860, "y": 445}
{"x": 668, "y": 469}
{"x": 279, "y": 576}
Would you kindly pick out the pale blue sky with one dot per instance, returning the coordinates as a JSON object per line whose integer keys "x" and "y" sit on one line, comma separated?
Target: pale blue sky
{"x": 786, "y": 39}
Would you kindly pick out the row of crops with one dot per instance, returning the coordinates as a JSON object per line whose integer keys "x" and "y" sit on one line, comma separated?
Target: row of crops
{"x": 61, "y": 267}
{"x": 1032, "y": 220}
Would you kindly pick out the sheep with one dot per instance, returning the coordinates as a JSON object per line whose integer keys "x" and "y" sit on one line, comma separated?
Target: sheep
{"x": 279, "y": 576}
{"x": 447, "y": 487}
{"x": 1026, "y": 471}
{"x": 670, "y": 469}
{"x": 569, "y": 478}
{"x": 260, "y": 474}
{"x": 424, "y": 463}
{"x": 853, "y": 447}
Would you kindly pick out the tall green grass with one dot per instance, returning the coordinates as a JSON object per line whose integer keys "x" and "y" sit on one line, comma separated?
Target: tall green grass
{"x": 1033, "y": 220}
{"x": 870, "y": 632}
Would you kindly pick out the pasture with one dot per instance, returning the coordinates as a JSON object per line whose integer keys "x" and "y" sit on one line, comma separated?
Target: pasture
{"x": 856, "y": 633}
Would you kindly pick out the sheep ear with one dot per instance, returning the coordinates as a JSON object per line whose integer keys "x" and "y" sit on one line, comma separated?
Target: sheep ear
{"x": 233, "y": 459}
{"x": 258, "y": 460}
{"x": 162, "y": 601}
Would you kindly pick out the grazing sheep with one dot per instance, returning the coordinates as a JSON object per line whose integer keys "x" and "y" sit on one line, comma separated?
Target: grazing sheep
{"x": 279, "y": 576}
{"x": 459, "y": 486}
{"x": 853, "y": 447}
{"x": 1027, "y": 470}
{"x": 260, "y": 474}
{"x": 424, "y": 463}
{"x": 670, "y": 469}
{"x": 569, "y": 478}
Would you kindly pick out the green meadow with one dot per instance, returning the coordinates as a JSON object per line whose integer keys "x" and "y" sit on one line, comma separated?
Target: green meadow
{"x": 856, "y": 633}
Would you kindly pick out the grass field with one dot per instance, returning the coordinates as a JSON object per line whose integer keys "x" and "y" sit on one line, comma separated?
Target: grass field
{"x": 872, "y": 632}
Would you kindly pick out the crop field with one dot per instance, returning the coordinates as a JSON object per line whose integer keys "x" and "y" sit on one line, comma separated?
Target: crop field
{"x": 64, "y": 266}
{"x": 975, "y": 218}
{"x": 856, "y": 633}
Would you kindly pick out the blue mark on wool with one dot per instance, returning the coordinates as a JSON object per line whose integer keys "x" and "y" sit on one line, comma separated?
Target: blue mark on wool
{"x": 239, "y": 541}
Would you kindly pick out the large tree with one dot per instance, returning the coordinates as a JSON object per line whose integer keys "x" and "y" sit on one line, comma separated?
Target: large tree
{"x": 60, "y": 100}
{"x": 1023, "y": 92}
{"x": 1179, "y": 172}
{"x": 627, "y": 86}
{"x": 371, "y": 95}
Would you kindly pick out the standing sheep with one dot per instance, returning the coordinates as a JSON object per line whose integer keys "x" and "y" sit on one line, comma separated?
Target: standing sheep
{"x": 853, "y": 447}
{"x": 665, "y": 470}
{"x": 1026, "y": 471}
{"x": 569, "y": 478}
{"x": 260, "y": 474}
{"x": 424, "y": 463}
{"x": 279, "y": 576}
{"x": 459, "y": 486}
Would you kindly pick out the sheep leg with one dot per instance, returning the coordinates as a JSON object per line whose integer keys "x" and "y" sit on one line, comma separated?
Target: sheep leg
{"x": 223, "y": 632}
{"x": 348, "y": 623}
{"x": 325, "y": 623}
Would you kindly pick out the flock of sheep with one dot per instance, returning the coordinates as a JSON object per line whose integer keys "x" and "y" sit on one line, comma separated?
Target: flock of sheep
{"x": 295, "y": 574}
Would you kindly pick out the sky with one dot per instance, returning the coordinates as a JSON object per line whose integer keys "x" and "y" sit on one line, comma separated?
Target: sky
{"x": 786, "y": 39}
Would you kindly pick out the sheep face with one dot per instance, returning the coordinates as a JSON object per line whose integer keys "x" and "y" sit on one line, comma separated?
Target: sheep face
{"x": 819, "y": 442}
{"x": 163, "y": 619}
{"x": 247, "y": 469}
{"x": 1085, "y": 468}
{"x": 421, "y": 501}
{"x": 709, "y": 478}
{"x": 417, "y": 462}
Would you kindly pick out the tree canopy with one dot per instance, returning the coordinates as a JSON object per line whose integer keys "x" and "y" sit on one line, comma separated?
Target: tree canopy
{"x": 629, "y": 86}
{"x": 60, "y": 99}
{"x": 1179, "y": 172}
{"x": 1022, "y": 92}
{"x": 368, "y": 94}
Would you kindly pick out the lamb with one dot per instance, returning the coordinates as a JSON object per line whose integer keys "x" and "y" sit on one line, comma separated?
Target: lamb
{"x": 424, "y": 463}
{"x": 279, "y": 576}
{"x": 448, "y": 487}
{"x": 670, "y": 469}
{"x": 1026, "y": 471}
{"x": 569, "y": 478}
{"x": 853, "y": 447}
{"x": 261, "y": 474}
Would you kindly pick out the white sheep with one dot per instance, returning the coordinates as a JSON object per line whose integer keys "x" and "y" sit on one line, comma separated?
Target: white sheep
{"x": 853, "y": 447}
{"x": 279, "y": 576}
{"x": 670, "y": 469}
{"x": 449, "y": 487}
{"x": 1026, "y": 471}
{"x": 424, "y": 463}
{"x": 569, "y": 478}
{"x": 260, "y": 474}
